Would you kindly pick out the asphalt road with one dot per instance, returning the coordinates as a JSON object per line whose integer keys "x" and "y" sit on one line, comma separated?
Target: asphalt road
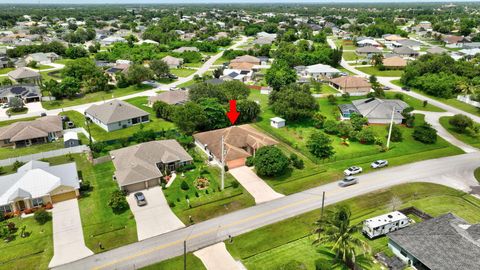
{"x": 455, "y": 172}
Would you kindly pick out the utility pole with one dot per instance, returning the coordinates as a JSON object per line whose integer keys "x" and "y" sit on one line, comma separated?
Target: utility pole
{"x": 390, "y": 129}
{"x": 184, "y": 254}
{"x": 323, "y": 204}
{"x": 223, "y": 165}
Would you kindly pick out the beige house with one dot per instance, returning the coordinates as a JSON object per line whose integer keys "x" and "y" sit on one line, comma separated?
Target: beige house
{"x": 27, "y": 133}
{"x": 355, "y": 86}
{"x": 116, "y": 114}
{"x": 394, "y": 62}
{"x": 141, "y": 166}
{"x": 240, "y": 142}
{"x": 173, "y": 62}
{"x": 169, "y": 97}
{"x": 37, "y": 183}
{"x": 24, "y": 74}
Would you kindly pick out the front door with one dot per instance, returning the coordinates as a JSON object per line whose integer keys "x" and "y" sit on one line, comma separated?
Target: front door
{"x": 21, "y": 205}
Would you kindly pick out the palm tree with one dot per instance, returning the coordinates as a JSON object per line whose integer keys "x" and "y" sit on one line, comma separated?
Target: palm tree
{"x": 340, "y": 239}
{"x": 467, "y": 88}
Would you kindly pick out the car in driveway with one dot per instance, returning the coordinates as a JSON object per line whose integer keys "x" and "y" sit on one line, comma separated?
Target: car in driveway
{"x": 140, "y": 199}
{"x": 348, "y": 181}
{"x": 406, "y": 89}
{"x": 352, "y": 170}
{"x": 379, "y": 164}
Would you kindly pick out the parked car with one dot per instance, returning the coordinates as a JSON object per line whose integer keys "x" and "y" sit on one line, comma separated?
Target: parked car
{"x": 352, "y": 170}
{"x": 172, "y": 76}
{"x": 140, "y": 198}
{"x": 43, "y": 114}
{"x": 379, "y": 164}
{"x": 386, "y": 88}
{"x": 174, "y": 88}
{"x": 70, "y": 124}
{"x": 406, "y": 89}
{"x": 65, "y": 118}
{"x": 5, "y": 106}
{"x": 348, "y": 181}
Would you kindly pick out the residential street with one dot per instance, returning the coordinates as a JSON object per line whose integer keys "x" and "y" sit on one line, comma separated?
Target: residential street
{"x": 455, "y": 172}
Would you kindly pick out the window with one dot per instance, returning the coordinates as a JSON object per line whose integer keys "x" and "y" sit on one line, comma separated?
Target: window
{"x": 37, "y": 202}
{"x": 5, "y": 208}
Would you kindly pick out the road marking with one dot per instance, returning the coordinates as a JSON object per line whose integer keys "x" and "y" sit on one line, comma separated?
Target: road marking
{"x": 215, "y": 229}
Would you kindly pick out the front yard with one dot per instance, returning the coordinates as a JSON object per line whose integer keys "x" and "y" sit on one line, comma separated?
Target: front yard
{"x": 381, "y": 73}
{"x": 182, "y": 72}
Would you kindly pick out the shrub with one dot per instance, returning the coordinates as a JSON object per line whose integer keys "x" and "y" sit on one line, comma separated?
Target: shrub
{"x": 344, "y": 129}
{"x": 332, "y": 99}
{"x": 85, "y": 185}
{"x": 117, "y": 201}
{"x": 185, "y": 168}
{"x": 296, "y": 161}
{"x": 41, "y": 216}
{"x": 330, "y": 127}
{"x": 235, "y": 184}
{"x": 270, "y": 161}
{"x": 346, "y": 96}
{"x": 187, "y": 197}
{"x": 398, "y": 96}
{"x": 320, "y": 145}
{"x": 184, "y": 185}
{"x": 17, "y": 164}
{"x": 178, "y": 199}
{"x": 171, "y": 204}
{"x": 318, "y": 120}
{"x": 425, "y": 134}
{"x": 461, "y": 122}
{"x": 366, "y": 136}
{"x": 396, "y": 135}
{"x": 249, "y": 162}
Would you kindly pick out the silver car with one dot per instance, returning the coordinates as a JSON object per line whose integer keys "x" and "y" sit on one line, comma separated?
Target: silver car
{"x": 140, "y": 198}
{"x": 379, "y": 164}
{"x": 348, "y": 181}
{"x": 352, "y": 170}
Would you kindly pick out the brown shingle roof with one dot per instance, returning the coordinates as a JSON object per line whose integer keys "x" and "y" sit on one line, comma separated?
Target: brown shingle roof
{"x": 246, "y": 58}
{"x": 25, "y": 130}
{"x": 394, "y": 61}
{"x": 170, "y": 97}
{"x": 242, "y": 65}
{"x": 345, "y": 82}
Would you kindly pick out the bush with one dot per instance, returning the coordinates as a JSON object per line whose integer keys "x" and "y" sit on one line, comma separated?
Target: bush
{"x": 330, "y": 127}
{"x": 185, "y": 168}
{"x": 184, "y": 185}
{"x": 85, "y": 185}
{"x": 396, "y": 135}
{"x": 320, "y": 145}
{"x": 332, "y": 99}
{"x": 250, "y": 161}
{"x": 461, "y": 122}
{"x": 398, "y": 96}
{"x": 366, "y": 136}
{"x": 171, "y": 204}
{"x": 270, "y": 161}
{"x": 17, "y": 164}
{"x": 41, "y": 216}
{"x": 117, "y": 201}
{"x": 425, "y": 134}
{"x": 318, "y": 120}
{"x": 235, "y": 184}
{"x": 196, "y": 194}
{"x": 296, "y": 161}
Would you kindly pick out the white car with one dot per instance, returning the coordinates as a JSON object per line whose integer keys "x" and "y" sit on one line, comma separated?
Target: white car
{"x": 379, "y": 164}
{"x": 352, "y": 170}
{"x": 348, "y": 181}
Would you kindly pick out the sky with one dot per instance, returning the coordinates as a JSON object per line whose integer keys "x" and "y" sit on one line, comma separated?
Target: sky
{"x": 213, "y": 1}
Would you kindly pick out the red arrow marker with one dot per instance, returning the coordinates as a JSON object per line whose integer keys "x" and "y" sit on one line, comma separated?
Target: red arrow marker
{"x": 233, "y": 114}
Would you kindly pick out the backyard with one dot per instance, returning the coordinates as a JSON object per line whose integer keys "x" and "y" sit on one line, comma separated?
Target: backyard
{"x": 9, "y": 152}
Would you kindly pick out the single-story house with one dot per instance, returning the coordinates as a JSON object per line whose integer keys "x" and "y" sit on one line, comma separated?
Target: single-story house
{"x": 246, "y": 59}
{"x": 436, "y": 50}
{"x": 70, "y": 139}
{"x": 355, "y": 86}
{"x": 277, "y": 122}
{"x": 379, "y": 111}
{"x": 42, "y": 58}
{"x": 113, "y": 39}
{"x": 319, "y": 71}
{"x": 170, "y": 97}
{"x": 368, "y": 42}
{"x": 28, "y": 93}
{"x": 242, "y": 75}
{"x": 27, "y": 133}
{"x": 391, "y": 38}
{"x": 444, "y": 242}
{"x": 413, "y": 44}
{"x": 186, "y": 49}
{"x": 240, "y": 142}
{"x": 452, "y": 41}
{"x": 141, "y": 166}
{"x": 394, "y": 62}
{"x": 346, "y": 111}
{"x": 37, "y": 183}
{"x": 25, "y": 74}
{"x": 116, "y": 114}
{"x": 172, "y": 62}
{"x": 405, "y": 51}
{"x": 368, "y": 50}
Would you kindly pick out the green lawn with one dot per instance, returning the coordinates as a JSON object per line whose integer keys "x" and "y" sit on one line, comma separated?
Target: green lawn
{"x": 195, "y": 65}
{"x": 187, "y": 84}
{"x": 176, "y": 263}
{"x": 182, "y": 72}
{"x": 9, "y": 152}
{"x": 477, "y": 174}
{"x": 326, "y": 89}
{"x": 32, "y": 252}
{"x": 47, "y": 77}
{"x": 351, "y": 56}
{"x": 272, "y": 246}
{"x": 318, "y": 172}
{"x": 415, "y": 103}
{"x": 93, "y": 97}
{"x": 63, "y": 61}
{"x": 221, "y": 60}
{"x": 473, "y": 141}
{"x": 206, "y": 205}
{"x": 42, "y": 67}
{"x": 381, "y": 73}
{"x": 100, "y": 134}
{"x": 347, "y": 45}
{"x": 6, "y": 70}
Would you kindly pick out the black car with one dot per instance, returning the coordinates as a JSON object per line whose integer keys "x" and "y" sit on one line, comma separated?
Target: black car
{"x": 406, "y": 89}
{"x": 140, "y": 198}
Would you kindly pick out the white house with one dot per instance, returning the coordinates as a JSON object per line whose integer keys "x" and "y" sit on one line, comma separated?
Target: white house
{"x": 277, "y": 122}
{"x": 116, "y": 114}
{"x": 381, "y": 225}
{"x": 320, "y": 70}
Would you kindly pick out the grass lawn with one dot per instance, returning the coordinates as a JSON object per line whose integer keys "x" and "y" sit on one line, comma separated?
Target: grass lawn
{"x": 47, "y": 77}
{"x": 8, "y": 122}
{"x": 196, "y": 65}
{"x": 42, "y": 67}
{"x": 100, "y": 134}
{"x": 6, "y": 70}
{"x": 177, "y": 264}
{"x": 347, "y": 44}
{"x": 8, "y": 152}
{"x": 63, "y": 61}
{"x": 318, "y": 172}
{"x": 477, "y": 174}
{"x": 93, "y": 97}
{"x": 32, "y": 252}
{"x": 182, "y": 72}
{"x": 221, "y": 60}
{"x": 415, "y": 103}
{"x": 326, "y": 89}
{"x": 381, "y": 73}
{"x": 274, "y": 245}
{"x": 187, "y": 84}
{"x": 473, "y": 141}
{"x": 210, "y": 202}
{"x": 24, "y": 110}
{"x": 351, "y": 56}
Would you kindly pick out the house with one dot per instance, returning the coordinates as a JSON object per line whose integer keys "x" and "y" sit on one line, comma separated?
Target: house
{"x": 172, "y": 62}
{"x": 277, "y": 122}
{"x": 246, "y": 59}
{"x": 381, "y": 225}
{"x": 405, "y": 52}
{"x": 169, "y": 97}
{"x": 42, "y": 58}
{"x": 142, "y": 166}
{"x": 436, "y": 50}
{"x": 444, "y": 242}
{"x": 413, "y": 44}
{"x": 4, "y": 62}
{"x": 347, "y": 110}
{"x": 240, "y": 142}
{"x": 394, "y": 62}
{"x": 23, "y": 74}
{"x": 452, "y": 41}
{"x": 355, "y": 86}
{"x": 111, "y": 40}
{"x": 37, "y": 183}
{"x": 116, "y": 114}
{"x": 70, "y": 139}
{"x": 390, "y": 39}
{"x": 367, "y": 42}
{"x": 320, "y": 71}
{"x": 242, "y": 74}
{"x": 186, "y": 49}
{"x": 379, "y": 111}
{"x": 28, "y": 93}
{"x": 265, "y": 39}
{"x": 368, "y": 50}
{"x": 27, "y": 133}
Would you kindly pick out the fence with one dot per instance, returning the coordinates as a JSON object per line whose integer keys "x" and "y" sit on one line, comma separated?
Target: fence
{"x": 468, "y": 100}
{"x": 48, "y": 154}
{"x": 101, "y": 160}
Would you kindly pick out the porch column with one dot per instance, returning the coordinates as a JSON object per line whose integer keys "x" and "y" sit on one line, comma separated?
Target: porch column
{"x": 28, "y": 203}
{"x": 14, "y": 206}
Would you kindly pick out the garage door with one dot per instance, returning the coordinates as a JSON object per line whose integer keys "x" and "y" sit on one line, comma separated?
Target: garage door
{"x": 152, "y": 183}
{"x": 135, "y": 187}
{"x": 63, "y": 197}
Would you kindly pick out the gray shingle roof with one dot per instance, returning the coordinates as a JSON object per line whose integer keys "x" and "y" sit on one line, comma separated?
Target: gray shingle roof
{"x": 23, "y": 73}
{"x": 115, "y": 111}
{"x": 374, "y": 108}
{"x": 31, "y": 129}
{"x": 170, "y": 97}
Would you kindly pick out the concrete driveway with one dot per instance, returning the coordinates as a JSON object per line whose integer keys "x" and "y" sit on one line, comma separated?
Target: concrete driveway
{"x": 216, "y": 257}
{"x": 260, "y": 190}
{"x": 68, "y": 243}
{"x": 155, "y": 218}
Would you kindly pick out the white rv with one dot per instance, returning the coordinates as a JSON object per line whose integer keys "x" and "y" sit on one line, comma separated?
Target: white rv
{"x": 384, "y": 224}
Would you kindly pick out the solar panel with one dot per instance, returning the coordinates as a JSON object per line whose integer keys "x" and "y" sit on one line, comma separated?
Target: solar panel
{"x": 18, "y": 90}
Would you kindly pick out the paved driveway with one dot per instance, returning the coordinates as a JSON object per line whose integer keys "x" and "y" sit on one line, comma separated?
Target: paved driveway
{"x": 68, "y": 243}
{"x": 260, "y": 190}
{"x": 155, "y": 218}
{"x": 216, "y": 257}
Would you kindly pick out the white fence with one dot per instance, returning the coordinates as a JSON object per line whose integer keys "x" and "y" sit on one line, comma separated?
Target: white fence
{"x": 466, "y": 99}
{"x": 48, "y": 154}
